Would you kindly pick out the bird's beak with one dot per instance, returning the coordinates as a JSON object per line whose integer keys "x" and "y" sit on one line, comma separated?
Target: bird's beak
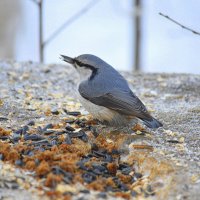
{"x": 67, "y": 59}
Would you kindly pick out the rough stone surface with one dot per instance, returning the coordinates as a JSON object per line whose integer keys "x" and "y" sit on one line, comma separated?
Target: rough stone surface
{"x": 172, "y": 98}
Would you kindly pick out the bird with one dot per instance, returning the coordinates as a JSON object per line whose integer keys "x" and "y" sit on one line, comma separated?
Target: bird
{"x": 106, "y": 95}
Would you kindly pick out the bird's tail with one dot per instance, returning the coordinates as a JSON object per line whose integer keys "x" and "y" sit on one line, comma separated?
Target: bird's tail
{"x": 152, "y": 122}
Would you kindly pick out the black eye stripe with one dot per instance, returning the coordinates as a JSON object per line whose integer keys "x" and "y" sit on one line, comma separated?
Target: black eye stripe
{"x": 84, "y": 65}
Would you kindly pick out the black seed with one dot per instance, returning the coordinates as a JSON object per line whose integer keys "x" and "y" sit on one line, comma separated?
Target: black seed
{"x": 55, "y": 112}
{"x": 33, "y": 137}
{"x": 65, "y": 110}
{"x": 16, "y": 137}
{"x": 14, "y": 186}
{"x": 138, "y": 175}
{"x": 115, "y": 151}
{"x": 48, "y": 126}
{"x": 89, "y": 177}
{"x": 94, "y": 147}
{"x": 76, "y": 134}
{"x": 19, "y": 131}
{"x": 67, "y": 139}
{"x": 5, "y": 137}
{"x": 149, "y": 190}
{"x": 39, "y": 129}
{"x": 30, "y": 153}
{"x": 120, "y": 185}
{"x": 108, "y": 158}
{"x": 3, "y": 119}
{"x": 53, "y": 137}
{"x": 19, "y": 162}
{"x": 125, "y": 168}
{"x": 31, "y": 123}
{"x": 47, "y": 71}
{"x": 81, "y": 164}
{"x": 99, "y": 153}
{"x": 48, "y": 132}
{"x": 133, "y": 179}
{"x": 67, "y": 175}
{"x": 84, "y": 137}
{"x": 99, "y": 169}
{"x": 102, "y": 195}
{"x": 70, "y": 121}
{"x": 134, "y": 193}
{"x": 126, "y": 171}
{"x": 54, "y": 142}
{"x": 123, "y": 165}
{"x": 94, "y": 131}
{"x": 69, "y": 128}
{"x": 81, "y": 122}
{"x": 25, "y": 129}
{"x": 173, "y": 141}
{"x": 1, "y": 156}
{"x": 76, "y": 113}
{"x": 59, "y": 132}
{"x": 82, "y": 125}
{"x": 11, "y": 184}
{"x": 78, "y": 121}
{"x": 66, "y": 180}
{"x": 41, "y": 149}
{"x": 85, "y": 191}
{"x": 41, "y": 142}
{"x": 37, "y": 162}
{"x": 109, "y": 188}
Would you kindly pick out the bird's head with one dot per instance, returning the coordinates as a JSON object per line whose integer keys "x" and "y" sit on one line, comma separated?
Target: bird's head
{"x": 87, "y": 65}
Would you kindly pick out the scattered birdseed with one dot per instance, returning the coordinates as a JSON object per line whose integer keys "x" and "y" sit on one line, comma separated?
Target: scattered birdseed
{"x": 63, "y": 154}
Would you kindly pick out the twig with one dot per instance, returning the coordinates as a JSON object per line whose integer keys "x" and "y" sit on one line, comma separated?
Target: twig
{"x": 182, "y": 26}
{"x": 41, "y": 46}
{"x": 35, "y": 1}
{"x": 71, "y": 20}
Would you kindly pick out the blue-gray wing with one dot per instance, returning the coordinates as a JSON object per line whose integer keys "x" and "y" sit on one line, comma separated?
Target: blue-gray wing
{"x": 124, "y": 102}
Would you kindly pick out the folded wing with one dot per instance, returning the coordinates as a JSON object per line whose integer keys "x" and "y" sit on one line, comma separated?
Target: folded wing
{"x": 124, "y": 102}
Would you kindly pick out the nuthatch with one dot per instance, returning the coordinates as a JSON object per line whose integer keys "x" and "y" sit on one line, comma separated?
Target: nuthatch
{"x": 106, "y": 95}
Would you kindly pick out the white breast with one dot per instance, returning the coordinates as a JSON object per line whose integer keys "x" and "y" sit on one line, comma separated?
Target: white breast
{"x": 104, "y": 114}
{"x": 99, "y": 112}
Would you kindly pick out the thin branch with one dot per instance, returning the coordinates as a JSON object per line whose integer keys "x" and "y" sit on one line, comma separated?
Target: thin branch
{"x": 35, "y": 1}
{"x": 71, "y": 20}
{"x": 41, "y": 46}
{"x": 137, "y": 29}
{"x": 182, "y": 26}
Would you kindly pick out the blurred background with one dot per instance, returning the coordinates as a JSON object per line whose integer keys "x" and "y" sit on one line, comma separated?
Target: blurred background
{"x": 128, "y": 34}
